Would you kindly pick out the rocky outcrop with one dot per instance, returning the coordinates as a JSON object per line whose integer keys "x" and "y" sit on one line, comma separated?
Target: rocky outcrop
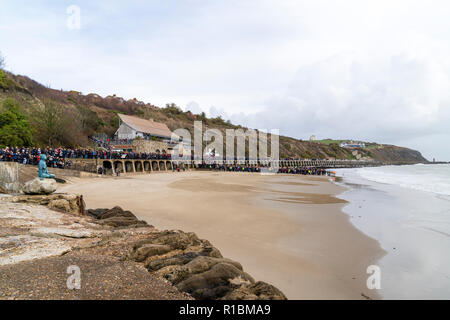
{"x": 31, "y": 231}
{"x": 396, "y": 155}
{"x": 116, "y": 217}
{"x": 194, "y": 266}
{"x": 37, "y": 186}
{"x": 59, "y": 201}
{"x": 177, "y": 264}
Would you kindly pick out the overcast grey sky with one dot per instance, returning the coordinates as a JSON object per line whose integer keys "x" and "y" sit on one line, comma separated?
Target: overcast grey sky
{"x": 370, "y": 70}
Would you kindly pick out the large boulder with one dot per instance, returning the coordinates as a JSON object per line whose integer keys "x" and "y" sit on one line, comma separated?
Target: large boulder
{"x": 215, "y": 283}
{"x": 37, "y": 186}
{"x": 116, "y": 218}
{"x": 149, "y": 250}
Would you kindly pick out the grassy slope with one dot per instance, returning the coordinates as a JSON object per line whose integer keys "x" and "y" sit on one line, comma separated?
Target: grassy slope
{"x": 30, "y": 94}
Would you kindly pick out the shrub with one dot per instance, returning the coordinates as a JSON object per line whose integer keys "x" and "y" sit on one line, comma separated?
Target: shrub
{"x": 15, "y": 130}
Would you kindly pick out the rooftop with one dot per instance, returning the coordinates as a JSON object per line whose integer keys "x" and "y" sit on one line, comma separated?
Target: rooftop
{"x": 146, "y": 126}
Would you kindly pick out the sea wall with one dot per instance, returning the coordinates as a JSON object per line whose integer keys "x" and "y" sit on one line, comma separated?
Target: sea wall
{"x": 29, "y": 172}
{"x": 149, "y": 146}
{"x": 9, "y": 177}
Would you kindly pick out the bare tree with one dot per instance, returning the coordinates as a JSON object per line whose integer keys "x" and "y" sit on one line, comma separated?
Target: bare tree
{"x": 2, "y": 61}
{"x": 50, "y": 122}
{"x": 58, "y": 125}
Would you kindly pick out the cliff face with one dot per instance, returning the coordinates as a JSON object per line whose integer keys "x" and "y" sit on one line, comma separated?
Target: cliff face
{"x": 397, "y": 155}
{"x": 92, "y": 113}
{"x": 290, "y": 147}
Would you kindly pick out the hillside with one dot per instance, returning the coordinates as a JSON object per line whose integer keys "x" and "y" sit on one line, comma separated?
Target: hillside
{"x": 80, "y": 116}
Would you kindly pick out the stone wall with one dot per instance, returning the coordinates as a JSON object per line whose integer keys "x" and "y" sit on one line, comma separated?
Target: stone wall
{"x": 9, "y": 177}
{"x": 87, "y": 165}
{"x": 150, "y": 146}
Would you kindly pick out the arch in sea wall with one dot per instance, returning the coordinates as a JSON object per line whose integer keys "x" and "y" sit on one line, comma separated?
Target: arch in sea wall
{"x": 138, "y": 166}
{"x": 129, "y": 167}
{"x": 118, "y": 165}
{"x": 107, "y": 167}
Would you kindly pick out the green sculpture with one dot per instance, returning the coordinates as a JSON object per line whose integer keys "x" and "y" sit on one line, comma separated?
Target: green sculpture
{"x": 43, "y": 172}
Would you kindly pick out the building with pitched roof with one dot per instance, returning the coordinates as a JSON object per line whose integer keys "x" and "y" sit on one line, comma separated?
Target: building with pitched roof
{"x": 140, "y": 135}
{"x": 131, "y": 128}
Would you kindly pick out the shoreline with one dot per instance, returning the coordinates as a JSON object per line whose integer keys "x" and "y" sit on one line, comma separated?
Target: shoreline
{"x": 287, "y": 230}
{"x": 412, "y": 227}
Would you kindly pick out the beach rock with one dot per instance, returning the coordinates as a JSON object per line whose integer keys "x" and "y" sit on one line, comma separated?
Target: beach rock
{"x": 256, "y": 291}
{"x": 202, "y": 263}
{"x": 214, "y": 283}
{"x": 195, "y": 267}
{"x": 60, "y": 204}
{"x": 59, "y": 180}
{"x": 182, "y": 259}
{"x": 96, "y": 213}
{"x": 66, "y": 232}
{"x": 70, "y": 203}
{"x": 149, "y": 250}
{"x": 37, "y": 186}
{"x": 116, "y": 217}
{"x": 116, "y": 212}
{"x": 120, "y": 222}
{"x": 176, "y": 260}
{"x": 175, "y": 239}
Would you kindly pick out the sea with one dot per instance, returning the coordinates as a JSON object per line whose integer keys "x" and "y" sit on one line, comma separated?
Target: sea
{"x": 407, "y": 209}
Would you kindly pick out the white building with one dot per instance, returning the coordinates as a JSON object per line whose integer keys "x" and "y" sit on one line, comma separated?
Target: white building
{"x": 132, "y": 127}
{"x": 352, "y": 144}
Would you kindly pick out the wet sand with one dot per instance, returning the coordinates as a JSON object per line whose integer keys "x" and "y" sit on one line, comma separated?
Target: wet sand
{"x": 413, "y": 226}
{"x": 286, "y": 230}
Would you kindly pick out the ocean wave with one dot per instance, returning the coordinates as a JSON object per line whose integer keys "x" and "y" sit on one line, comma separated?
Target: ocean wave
{"x": 429, "y": 178}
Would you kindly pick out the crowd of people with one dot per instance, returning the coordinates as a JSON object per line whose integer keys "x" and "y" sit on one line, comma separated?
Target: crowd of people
{"x": 306, "y": 171}
{"x": 254, "y": 168}
{"x": 55, "y": 157}
{"x": 61, "y": 157}
{"x": 226, "y": 167}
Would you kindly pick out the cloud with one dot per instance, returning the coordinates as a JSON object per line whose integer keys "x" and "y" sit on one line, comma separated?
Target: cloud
{"x": 396, "y": 99}
{"x": 373, "y": 70}
{"x": 194, "y": 107}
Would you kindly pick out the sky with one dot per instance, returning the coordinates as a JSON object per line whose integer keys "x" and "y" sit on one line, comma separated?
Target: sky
{"x": 353, "y": 69}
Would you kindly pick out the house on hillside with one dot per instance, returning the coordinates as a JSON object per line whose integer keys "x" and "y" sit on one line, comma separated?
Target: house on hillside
{"x": 352, "y": 144}
{"x": 131, "y": 128}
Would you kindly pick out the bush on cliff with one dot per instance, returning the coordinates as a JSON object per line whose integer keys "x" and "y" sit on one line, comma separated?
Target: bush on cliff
{"x": 15, "y": 130}
{"x": 5, "y": 82}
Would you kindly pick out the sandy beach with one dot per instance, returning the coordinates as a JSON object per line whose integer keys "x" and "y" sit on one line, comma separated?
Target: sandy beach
{"x": 284, "y": 229}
